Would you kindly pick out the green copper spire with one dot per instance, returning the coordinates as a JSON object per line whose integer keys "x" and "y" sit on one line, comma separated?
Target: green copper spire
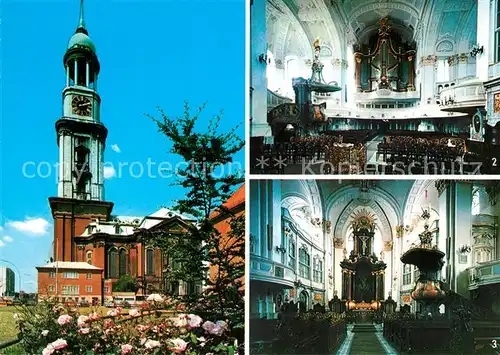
{"x": 81, "y": 22}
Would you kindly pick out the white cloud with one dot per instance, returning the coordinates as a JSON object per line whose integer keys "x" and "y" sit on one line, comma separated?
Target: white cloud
{"x": 2, "y": 244}
{"x": 8, "y": 239}
{"x": 109, "y": 172}
{"x": 36, "y": 226}
{"x": 1, "y": 228}
{"x": 116, "y": 148}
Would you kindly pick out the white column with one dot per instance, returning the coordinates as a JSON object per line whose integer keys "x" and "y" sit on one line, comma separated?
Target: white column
{"x": 255, "y": 214}
{"x": 462, "y": 63}
{"x": 443, "y": 224}
{"x": 60, "y": 187}
{"x": 76, "y": 71}
{"x": 388, "y": 273}
{"x": 87, "y": 78}
{"x": 258, "y": 82}
{"x": 68, "y": 166}
{"x": 67, "y": 75}
{"x": 427, "y": 79}
{"x": 483, "y": 33}
{"x": 463, "y": 205}
{"x": 338, "y": 257}
{"x": 274, "y": 201}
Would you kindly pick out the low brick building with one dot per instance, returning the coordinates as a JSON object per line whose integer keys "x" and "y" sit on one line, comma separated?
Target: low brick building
{"x": 70, "y": 282}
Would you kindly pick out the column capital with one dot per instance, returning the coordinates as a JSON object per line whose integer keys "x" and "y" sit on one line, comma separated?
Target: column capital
{"x": 442, "y": 185}
{"x": 492, "y": 189}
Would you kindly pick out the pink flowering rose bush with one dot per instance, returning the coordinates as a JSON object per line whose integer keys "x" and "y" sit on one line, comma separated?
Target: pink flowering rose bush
{"x": 155, "y": 328}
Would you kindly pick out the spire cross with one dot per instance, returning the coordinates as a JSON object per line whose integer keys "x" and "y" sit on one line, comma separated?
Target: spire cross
{"x": 81, "y": 21}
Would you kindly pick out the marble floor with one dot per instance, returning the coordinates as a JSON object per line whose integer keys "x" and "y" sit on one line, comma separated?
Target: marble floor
{"x": 365, "y": 343}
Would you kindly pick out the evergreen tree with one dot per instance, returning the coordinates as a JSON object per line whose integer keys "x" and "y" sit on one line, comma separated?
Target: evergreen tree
{"x": 207, "y": 189}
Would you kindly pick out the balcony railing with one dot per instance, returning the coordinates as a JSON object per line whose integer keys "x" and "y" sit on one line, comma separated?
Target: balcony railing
{"x": 386, "y": 95}
{"x": 274, "y": 99}
{"x": 428, "y": 111}
{"x": 487, "y": 273}
{"x": 264, "y": 269}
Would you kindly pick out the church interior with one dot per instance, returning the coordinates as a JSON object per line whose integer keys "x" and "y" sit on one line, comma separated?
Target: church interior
{"x": 374, "y": 266}
{"x": 364, "y": 87}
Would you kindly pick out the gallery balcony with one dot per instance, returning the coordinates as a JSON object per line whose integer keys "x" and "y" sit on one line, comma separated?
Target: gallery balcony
{"x": 487, "y": 273}
{"x": 386, "y": 95}
{"x": 389, "y": 112}
{"x": 266, "y": 270}
{"x": 467, "y": 95}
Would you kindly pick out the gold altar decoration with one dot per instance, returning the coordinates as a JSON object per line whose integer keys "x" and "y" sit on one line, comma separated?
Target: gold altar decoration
{"x": 374, "y": 305}
{"x": 363, "y": 219}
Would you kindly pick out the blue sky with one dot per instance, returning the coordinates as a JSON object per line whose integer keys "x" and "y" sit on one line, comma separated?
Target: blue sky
{"x": 151, "y": 53}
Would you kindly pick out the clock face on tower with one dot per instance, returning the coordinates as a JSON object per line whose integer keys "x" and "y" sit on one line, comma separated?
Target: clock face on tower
{"x": 81, "y": 105}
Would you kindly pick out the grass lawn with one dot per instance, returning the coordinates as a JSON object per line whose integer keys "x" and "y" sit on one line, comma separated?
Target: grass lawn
{"x": 8, "y": 328}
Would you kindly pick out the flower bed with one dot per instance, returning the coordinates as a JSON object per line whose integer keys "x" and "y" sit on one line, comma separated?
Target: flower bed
{"x": 158, "y": 327}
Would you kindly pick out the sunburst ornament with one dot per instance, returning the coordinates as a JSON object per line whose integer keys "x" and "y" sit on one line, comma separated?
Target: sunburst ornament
{"x": 363, "y": 219}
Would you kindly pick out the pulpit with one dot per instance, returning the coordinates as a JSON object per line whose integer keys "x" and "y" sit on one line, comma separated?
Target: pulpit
{"x": 362, "y": 271}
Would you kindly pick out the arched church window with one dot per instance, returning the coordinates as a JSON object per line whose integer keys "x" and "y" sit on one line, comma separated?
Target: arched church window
{"x": 303, "y": 301}
{"x": 271, "y": 74}
{"x": 122, "y": 263}
{"x": 292, "y": 70}
{"x": 406, "y": 274}
{"x": 350, "y": 243}
{"x": 89, "y": 257}
{"x": 318, "y": 270}
{"x": 149, "y": 262}
{"x": 291, "y": 253}
{"x": 475, "y": 203}
{"x": 304, "y": 264}
{"x": 112, "y": 258}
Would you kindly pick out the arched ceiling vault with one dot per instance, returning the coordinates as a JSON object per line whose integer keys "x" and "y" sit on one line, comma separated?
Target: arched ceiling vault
{"x": 416, "y": 197}
{"x": 341, "y": 203}
{"x": 308, "y": 20}
{"x": 452, "y": 20}
{"x": 284, "y": 21}
{"x": 339, "y": 23}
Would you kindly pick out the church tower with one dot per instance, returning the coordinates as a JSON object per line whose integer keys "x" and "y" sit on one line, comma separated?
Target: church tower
{"x": 81, "y": 139}
{"x": 81, "y": 135}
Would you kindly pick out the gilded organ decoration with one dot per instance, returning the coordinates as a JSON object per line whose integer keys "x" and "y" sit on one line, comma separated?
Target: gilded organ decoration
{"x": 496, "y": 103}
{"x": 385, "y": 63}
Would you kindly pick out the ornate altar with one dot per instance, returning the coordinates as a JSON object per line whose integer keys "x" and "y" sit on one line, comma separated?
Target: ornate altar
{"x": 386, "y": 63}
{"x": 362, "y": 272}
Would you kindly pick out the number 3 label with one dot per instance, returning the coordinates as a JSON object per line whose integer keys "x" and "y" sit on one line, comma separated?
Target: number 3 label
{"x": 494, "y": 344}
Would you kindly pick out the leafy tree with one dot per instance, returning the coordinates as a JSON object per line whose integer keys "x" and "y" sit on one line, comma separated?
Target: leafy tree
{"x": 125, "y": 283}
{"x": 207, "y": 189}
